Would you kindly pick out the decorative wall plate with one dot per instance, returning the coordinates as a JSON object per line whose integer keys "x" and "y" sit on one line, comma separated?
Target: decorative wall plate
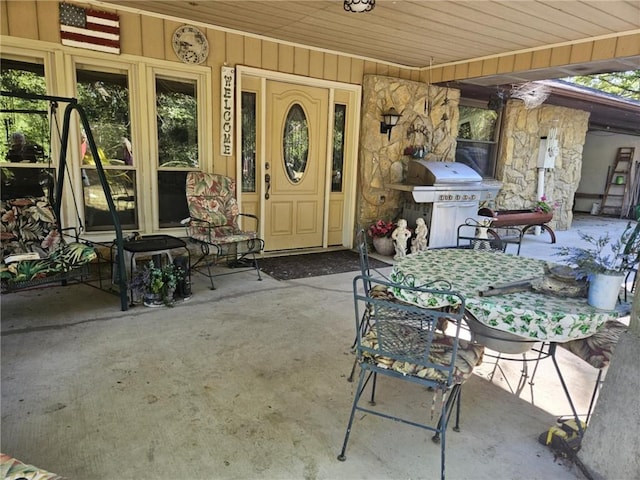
{"x": 190, "y": 44}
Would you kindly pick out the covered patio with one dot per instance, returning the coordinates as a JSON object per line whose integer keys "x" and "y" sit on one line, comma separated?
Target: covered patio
{"x": 249, "y": 381}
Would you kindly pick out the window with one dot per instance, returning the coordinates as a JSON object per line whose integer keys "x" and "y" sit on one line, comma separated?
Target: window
{"x": 25, "y": 150}
{"x": 178, "y": 145}
{"x": 477, "y": 145}
{"x": 104, "y": 96}
{"x": 248, "y": 142}
{"x": 338, "y": 147}
{"x": 295, "y": 143}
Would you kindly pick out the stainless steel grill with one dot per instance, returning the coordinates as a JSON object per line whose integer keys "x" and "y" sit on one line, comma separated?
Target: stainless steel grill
{"x": 445, "y": 194}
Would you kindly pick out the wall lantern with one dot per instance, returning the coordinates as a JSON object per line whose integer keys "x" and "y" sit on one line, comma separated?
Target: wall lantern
{"x": 389, "y": 120}
{"x": 359, "y": 6}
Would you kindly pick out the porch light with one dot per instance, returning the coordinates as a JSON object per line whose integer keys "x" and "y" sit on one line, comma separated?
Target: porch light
{"x": 389, "y": 120}
{"x": 359, "y": 6}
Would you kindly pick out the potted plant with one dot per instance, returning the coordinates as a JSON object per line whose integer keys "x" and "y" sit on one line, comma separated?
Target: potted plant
{"x": 381, "y": 232}
{"x": 543, "y": 206}
{"x": 604, "y": 263}
{"x": 156, "y": 284}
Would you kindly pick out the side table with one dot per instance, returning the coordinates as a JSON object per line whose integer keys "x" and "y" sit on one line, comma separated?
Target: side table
{"x": 151, "y": 245}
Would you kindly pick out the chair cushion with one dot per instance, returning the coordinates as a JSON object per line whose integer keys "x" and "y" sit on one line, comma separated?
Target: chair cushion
{"x": 597, "y": 349}
{"x": 64, "y": 259}
{"x": 28, "y": 225}
{"x": 469, "y": 356}
{"x": 202, "y": 234}
{"x": 212, "y": 198}
{"x": 10, "y": 468}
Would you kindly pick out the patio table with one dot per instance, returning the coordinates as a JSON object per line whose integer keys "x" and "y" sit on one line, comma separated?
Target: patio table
{"x": 527, "y": 317}
{"x": 529, "y": 314}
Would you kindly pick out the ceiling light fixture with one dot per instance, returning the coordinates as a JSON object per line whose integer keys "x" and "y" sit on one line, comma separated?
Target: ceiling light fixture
{"x": 359, "y": 6}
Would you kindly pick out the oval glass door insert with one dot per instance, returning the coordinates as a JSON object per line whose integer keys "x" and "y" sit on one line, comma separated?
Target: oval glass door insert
{"x": 295, "y": 143}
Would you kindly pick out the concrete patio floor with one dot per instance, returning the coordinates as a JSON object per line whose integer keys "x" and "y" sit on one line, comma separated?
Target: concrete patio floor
{"x": 249, "y": 382}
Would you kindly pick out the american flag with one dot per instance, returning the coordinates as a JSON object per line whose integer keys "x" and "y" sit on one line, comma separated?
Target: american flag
{"x": 86, "y": 28}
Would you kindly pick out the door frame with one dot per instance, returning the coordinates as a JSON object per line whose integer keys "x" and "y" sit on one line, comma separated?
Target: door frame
{"x": 351, "y": 143}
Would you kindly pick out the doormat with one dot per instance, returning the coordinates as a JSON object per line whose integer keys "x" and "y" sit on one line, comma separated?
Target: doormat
{"x": 314, "y": 264}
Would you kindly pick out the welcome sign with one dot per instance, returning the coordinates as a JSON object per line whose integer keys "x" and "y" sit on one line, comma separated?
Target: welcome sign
{"x": 227, "y": 83}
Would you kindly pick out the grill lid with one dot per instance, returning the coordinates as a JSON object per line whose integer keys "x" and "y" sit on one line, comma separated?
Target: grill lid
{"x": 423, "y": 172}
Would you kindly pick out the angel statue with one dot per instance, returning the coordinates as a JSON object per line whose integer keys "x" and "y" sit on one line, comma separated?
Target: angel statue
{"x": 400, "y": 237}
{"x": 419, "y": 243}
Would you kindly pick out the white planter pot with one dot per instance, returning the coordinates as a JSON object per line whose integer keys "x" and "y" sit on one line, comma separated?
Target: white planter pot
{"x": 384, "y": 246}
{"x": 604, "y": 290}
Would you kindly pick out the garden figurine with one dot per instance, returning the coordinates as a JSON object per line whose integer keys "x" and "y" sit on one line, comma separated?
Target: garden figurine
{"x": 400, "y": 237}
{"x": 419, "y": 243}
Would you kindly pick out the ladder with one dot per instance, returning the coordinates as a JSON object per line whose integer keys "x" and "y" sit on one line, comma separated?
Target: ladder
{"x": 619, "y": 181}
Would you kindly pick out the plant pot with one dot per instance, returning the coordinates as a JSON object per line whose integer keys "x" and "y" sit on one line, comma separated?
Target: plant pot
{"x": 507, "y": 218}
{"x": 152, "y": 300}
{"x": 604, "y": 290}
{"x": 384, "y": 246}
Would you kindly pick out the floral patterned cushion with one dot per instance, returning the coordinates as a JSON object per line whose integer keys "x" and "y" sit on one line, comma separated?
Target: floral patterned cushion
{"x": 28, "y": 226}
{"x": 11, "y": 469}
{"x": 469, "y": 356}
{"x": 214, "y": 209}
{"x": 597, "y": 349}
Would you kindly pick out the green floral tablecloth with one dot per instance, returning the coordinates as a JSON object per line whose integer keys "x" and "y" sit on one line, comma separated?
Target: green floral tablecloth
{"x": 529, "y": 314}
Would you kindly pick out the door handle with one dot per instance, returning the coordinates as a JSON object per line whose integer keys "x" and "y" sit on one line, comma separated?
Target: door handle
{"x": 267, "y": 181}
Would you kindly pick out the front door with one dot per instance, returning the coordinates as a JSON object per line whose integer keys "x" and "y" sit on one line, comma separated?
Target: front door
{"x": 295, "y": 165}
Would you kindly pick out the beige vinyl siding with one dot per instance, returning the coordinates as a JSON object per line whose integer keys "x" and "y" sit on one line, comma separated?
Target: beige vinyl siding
{"x": 601, "y": 49}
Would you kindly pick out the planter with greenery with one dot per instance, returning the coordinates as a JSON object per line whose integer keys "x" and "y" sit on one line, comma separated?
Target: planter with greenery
{"x": 156, "y": 284}
{"x": 604, "y": 262}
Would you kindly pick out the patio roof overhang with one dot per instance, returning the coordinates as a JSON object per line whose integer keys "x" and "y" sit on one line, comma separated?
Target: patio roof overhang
{"x": 495, "y": 42}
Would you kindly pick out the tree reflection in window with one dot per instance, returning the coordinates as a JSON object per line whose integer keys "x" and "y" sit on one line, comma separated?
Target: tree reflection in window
{"x": 295, "y": 143}
{"x": 477, "y": 140}
{"x": 248, "y": 142}
{"x": 177, "y": 118}
{"x": 105, "y": 100}
{"x": 24, "y": 147}
{"x": 338, "y": 147}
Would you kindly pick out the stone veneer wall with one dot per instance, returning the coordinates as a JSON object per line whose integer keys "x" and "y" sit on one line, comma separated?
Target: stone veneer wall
{"x": 518, "y": 158}
{"x": 429, "y": 111}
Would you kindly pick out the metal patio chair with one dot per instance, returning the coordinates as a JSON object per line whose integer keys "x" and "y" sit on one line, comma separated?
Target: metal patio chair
{"x": 213, "y": 225}
{"x": 469, "y": 236}
{"x": 399, "y": 340}
{"x": 377, "y": 291}
{"x": 365, "y": 270}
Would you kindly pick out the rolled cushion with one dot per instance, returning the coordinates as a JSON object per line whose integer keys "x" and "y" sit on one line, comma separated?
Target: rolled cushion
{"x": 597, "y": 349}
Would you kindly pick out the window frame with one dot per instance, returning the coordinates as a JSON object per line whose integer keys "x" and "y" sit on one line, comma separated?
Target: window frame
{"x": 497, "y": 134}
{"x": 202, "y": 79}
{"x": 42, "y": 59}
{"x": 99, "y": 65}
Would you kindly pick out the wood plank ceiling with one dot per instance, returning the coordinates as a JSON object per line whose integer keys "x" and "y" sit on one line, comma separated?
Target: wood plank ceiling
{"x": 412, "y": 33}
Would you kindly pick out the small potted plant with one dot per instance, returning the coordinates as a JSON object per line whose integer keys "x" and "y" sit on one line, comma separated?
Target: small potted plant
{"x": 543, "y": 206}
{"x": 156, "y": 284}
{"x": 381, "y": 232}
{"x": 604, "y": 263}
